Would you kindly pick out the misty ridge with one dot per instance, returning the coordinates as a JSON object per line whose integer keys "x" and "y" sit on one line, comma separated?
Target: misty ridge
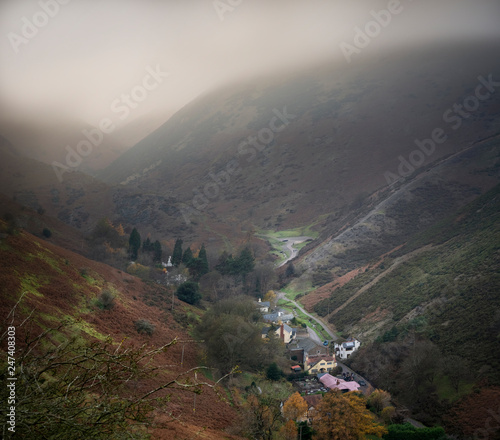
{"x": 250, "y": 220}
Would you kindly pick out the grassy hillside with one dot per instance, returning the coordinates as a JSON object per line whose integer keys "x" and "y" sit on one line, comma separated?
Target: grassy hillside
{"x": 54, "y": 286}
{"x": 448, "y": 292}
{"x": 328, "y": 158}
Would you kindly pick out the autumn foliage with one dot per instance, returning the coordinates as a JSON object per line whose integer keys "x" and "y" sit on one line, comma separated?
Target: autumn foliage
{"x": 345, "y": 417}
{"x": 295, "y": 407}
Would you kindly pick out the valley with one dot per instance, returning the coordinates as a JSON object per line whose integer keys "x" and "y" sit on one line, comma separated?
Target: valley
{"x": 205, "y": 282}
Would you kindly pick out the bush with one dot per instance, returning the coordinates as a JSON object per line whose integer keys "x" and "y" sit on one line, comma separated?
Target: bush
{"x": 273, "y": 372}
{"x": 47, "y": 232}
{"x": 106, "y": 300}
{"x": 409, "y": 432}
{"x": 337, "y": 371}
{"x": 189, "y": 292}
{"x": 144, "y": 326}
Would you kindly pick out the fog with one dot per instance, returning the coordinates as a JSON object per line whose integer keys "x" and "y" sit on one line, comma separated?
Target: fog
{"x": 71, "y": 60}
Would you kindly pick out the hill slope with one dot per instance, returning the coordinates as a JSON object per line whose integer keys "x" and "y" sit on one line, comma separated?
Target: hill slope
{"x": 443, "y": 284}
{"x": 282, "y": 151}
{"x": 54, "y": 285}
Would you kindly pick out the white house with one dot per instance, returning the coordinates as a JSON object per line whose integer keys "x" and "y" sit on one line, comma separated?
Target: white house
{"x": 345, "y": 349}
{"x": 263, "y": 306}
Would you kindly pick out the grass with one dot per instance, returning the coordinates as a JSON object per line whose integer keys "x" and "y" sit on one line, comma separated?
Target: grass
{"x": 302, "y": 317}
{"x": 30, "y": 283}
{"x": 296, "y": 232}
{"x": 446, "y": 391}
{"x": 275, "y": 239}
{"x": 291, "y": 293}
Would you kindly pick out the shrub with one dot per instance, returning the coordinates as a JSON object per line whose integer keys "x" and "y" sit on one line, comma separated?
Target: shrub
{"x": 189, "y": 292}
{"x": 47, "y": 232}
{"x": 273, "y": 372}
{"x": 144, "y": 326}
{"x": 337, "y": 371}
{"x": 106, "y": 300}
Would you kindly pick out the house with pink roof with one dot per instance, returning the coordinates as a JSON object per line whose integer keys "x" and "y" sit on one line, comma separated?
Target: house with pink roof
{"x": 331, "y": 383}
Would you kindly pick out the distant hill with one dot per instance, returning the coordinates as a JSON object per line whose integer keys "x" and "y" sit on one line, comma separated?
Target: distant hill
{"x": 344, "y": 133}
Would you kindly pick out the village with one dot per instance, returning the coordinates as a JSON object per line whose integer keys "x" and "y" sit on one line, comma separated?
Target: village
{"x": 317, "y": 365}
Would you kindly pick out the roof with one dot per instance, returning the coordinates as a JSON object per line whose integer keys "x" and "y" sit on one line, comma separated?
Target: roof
{"x": 348, "y": 344}
{"x": 332, "y": 382}
{"x": 263, "y": 304}
{"x": 310, "y": 346}
{"x": 277, "y": 317}
{"x": 313, "y": 400}
{"x": 313, "y": 360}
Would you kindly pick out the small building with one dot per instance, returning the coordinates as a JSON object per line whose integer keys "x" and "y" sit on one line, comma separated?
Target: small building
{"x": 265, "y": 331}
{"x": 286, "y": 333}
{"x": 331, "y": 382}
{"x": 263, "y": 306}
{"x": 320, "y": 364}
{"x": 296, "y": 368}
{"x": 278, "y": 316}
{"x": 345, "y": 349}
{"x": 309, "y": 346}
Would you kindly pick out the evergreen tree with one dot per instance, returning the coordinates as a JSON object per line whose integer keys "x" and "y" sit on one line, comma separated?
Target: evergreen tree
{"x": 223, "y": 265}
{"x": 245, "y": 262}
{"x": 187, "y": 257}
{"x": 157, "y": 251}
{"x": 177, "y": 254}
{"x": 203, "y": 264}
{"x": 290, "y": 270}
{"x": 189, "y": 292}
{"x": 273, "y": 372}
{"x": 146, "y": 245}
{"x": 134, "y": 243}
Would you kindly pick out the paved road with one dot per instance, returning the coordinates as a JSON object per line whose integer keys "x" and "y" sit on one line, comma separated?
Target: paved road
{"x": 288, "y": 243}
{"x": 333, "y": 336}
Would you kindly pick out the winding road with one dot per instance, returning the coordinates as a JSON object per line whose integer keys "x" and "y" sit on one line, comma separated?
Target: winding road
{"x": 288, "y": 245}
{"x": 333, "y": 336}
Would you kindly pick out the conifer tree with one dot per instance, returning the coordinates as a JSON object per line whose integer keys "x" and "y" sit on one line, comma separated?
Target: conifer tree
{"x": 245, "y": 262}
{"x": 146, "y": 245}
{"x": 187, "y": 257}
{"x": 177, "y": 254}
{"x": 157, "y": 251}
{"x": 203, "y": 265}
{"x": 134, "y": 243}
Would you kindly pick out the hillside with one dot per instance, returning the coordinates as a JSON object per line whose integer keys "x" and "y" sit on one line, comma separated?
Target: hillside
{"x": 340, "y": 134}
{"x": 342, "y": 130}
{"x": 442, "y": 284}
{"x": 54, "y": 285}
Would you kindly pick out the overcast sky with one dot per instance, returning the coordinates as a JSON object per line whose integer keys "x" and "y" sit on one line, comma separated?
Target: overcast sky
{"x": 91, "y": 51}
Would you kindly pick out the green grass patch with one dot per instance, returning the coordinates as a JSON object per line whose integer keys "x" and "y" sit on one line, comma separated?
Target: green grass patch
{"x": 446, "y": 391}
{"x": 85, "y": 327}
{"x": 31, "y": 284}
{"x": 291, "y": 293}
